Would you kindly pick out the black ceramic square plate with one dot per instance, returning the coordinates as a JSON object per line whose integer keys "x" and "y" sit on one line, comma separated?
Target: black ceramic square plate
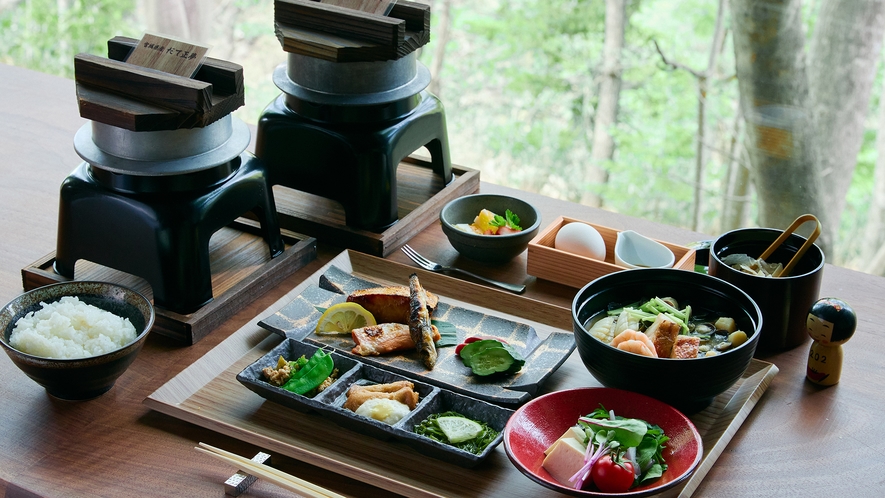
{"x": 298, "y": 319}
{"x": 330, "y": 403}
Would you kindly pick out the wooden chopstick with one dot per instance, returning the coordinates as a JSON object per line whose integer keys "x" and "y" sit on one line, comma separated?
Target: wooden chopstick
{"x": 780, "y": 240}
{"x": 273, "y": 475}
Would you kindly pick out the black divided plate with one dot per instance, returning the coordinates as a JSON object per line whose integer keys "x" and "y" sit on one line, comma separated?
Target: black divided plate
{"x": 329, "y": 403}
{"x": 297, "y": 320}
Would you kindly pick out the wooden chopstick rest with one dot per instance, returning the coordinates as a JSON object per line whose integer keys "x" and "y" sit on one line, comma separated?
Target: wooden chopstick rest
{"x": 278, "y": 477}
{"x": 240, "y": 482}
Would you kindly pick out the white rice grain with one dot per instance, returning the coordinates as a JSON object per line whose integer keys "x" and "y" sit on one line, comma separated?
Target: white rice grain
{"x": 70, "y": 328}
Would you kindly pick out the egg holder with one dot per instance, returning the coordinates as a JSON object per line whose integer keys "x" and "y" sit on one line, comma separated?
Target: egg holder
{"x": 329, "y": 403}
{"x": 546, "y": 262}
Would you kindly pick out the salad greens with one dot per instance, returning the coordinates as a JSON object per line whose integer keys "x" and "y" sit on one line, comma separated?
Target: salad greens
{"x": 430, "y": 428}
{"x": 623, "y": 438}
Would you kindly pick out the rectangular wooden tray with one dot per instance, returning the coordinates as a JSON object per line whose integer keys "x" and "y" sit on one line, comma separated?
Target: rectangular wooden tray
{"x": 545, "y": 261}
{"x": 207, "y": 394}
{"x": 421, "y": 195}
{"x": 241, "y": 268}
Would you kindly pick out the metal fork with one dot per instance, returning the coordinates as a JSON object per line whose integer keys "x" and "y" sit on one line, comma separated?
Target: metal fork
{"x": 436, "y": 267}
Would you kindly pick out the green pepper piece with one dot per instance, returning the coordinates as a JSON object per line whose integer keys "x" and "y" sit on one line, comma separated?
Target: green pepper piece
{"x": 473, "y": 348}
{"x": 309, "y": 377}
{"x": 303, "y": 365}
{"x": 298, "y": 364}
{"x": 490, "y": 361}
{"x": 518, "y": 360}
{"x": 483, "y": 360}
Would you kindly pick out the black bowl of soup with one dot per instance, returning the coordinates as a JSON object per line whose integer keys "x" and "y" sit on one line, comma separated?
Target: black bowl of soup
{"x": 689, "y": 384}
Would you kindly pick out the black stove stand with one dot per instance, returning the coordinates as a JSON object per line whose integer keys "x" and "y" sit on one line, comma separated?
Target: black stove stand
{"x": 339, "y": 130}
{"x": 330, "y": 152}
{"x": 158, "y": 226}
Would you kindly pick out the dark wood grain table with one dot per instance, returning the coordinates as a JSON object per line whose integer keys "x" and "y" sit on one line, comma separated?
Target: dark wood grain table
{"x": 799, "y": 440}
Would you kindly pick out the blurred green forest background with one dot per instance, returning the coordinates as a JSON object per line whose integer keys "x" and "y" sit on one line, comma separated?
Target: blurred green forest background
{"x": 520, "y": 81}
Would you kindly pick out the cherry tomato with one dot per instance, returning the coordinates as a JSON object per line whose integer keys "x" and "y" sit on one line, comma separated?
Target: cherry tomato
{"x": 612, "y": 477}
{"x": 475, "y": 338}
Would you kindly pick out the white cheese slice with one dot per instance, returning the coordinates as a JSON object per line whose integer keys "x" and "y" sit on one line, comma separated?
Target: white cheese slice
{"x": 573, "y": 432}
{"x": 564, "y": 460}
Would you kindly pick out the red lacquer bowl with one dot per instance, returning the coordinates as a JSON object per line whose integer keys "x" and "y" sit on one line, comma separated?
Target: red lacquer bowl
{"x": 540, "y": 422}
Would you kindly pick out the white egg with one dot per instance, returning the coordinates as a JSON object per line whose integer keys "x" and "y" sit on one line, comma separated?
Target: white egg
{"x": 581, "y": 239}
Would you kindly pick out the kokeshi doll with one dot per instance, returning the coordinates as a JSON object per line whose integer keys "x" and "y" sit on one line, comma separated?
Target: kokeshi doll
{"x": 831, "y": 322}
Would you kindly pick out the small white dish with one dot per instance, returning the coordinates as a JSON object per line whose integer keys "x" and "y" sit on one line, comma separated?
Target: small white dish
{"x": 633, "y": 250}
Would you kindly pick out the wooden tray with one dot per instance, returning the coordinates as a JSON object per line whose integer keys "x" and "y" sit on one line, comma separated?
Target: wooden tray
{"x": 545, "y": 261}
{"x": 421, "y": 196}
{"x": 207, "y": 394}
{"x": 241, "y": 268}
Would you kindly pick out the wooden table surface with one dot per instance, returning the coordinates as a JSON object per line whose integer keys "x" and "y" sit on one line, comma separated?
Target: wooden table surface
{"x": 799, "y": 440}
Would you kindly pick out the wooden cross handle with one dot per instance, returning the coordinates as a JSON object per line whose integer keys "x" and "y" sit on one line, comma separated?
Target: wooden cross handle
{"x": 131, "y": 97}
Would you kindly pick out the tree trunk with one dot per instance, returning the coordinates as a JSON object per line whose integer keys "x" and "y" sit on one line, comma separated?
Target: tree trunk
{"x": 603, "y": 146}
{"x": 441, "y": 39}
{"x": 736, "y": 181}
{"x": 190, "y": 20}
{"x": 703, "y": 88}
{"x": 769, "y": 40}
{"x": 843, "y": 58}
{"x": 874, "y": 238}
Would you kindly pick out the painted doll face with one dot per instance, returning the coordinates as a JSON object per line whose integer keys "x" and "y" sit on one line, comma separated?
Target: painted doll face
{"x": 819, "y": 329}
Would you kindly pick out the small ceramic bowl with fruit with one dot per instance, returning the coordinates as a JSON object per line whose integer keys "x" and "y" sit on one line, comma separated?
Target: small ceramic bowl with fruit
{"x": 490, "y": 228}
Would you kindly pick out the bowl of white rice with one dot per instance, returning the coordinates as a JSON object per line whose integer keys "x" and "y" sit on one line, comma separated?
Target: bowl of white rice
{"x": 75, "y": 338}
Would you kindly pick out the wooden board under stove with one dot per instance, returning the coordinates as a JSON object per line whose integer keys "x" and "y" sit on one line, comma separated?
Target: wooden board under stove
{"x": 421, "y": 195}
{"x": 207, "y": 394}
{"x": 242, "y": 270}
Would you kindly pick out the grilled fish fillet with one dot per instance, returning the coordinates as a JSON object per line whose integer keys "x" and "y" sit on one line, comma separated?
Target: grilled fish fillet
{"x": 402, "y": 391}
{"x": 686, "y": 347}
{"x": 384, "y": 338}
{"x": 419, "y": 323}
{"x": 663, "y": 334}
{"x": 389, "y": 304}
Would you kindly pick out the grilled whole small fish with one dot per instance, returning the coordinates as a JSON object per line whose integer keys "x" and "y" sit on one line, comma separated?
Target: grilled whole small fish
{"x": 384, "y": 338}
{"x": 419, "y": 323}
{"x": 389, "y": 304}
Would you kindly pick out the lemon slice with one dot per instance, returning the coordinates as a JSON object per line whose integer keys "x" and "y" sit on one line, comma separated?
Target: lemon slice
{"x": 459, "y": 429}
{"x": 344, "y": 317}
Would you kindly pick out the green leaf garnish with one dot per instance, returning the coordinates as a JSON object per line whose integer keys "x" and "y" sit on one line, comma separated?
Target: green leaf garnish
{"x": 509, "y": 220}
{"x": 448, "y": 334}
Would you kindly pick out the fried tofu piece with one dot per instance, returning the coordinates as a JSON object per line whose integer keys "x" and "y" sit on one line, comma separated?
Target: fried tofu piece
{"x": 663, "y": 334}
{"x": 402, "y": 391}
{"x": 389, "y": 304}
{"x": 686, "y": 347}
